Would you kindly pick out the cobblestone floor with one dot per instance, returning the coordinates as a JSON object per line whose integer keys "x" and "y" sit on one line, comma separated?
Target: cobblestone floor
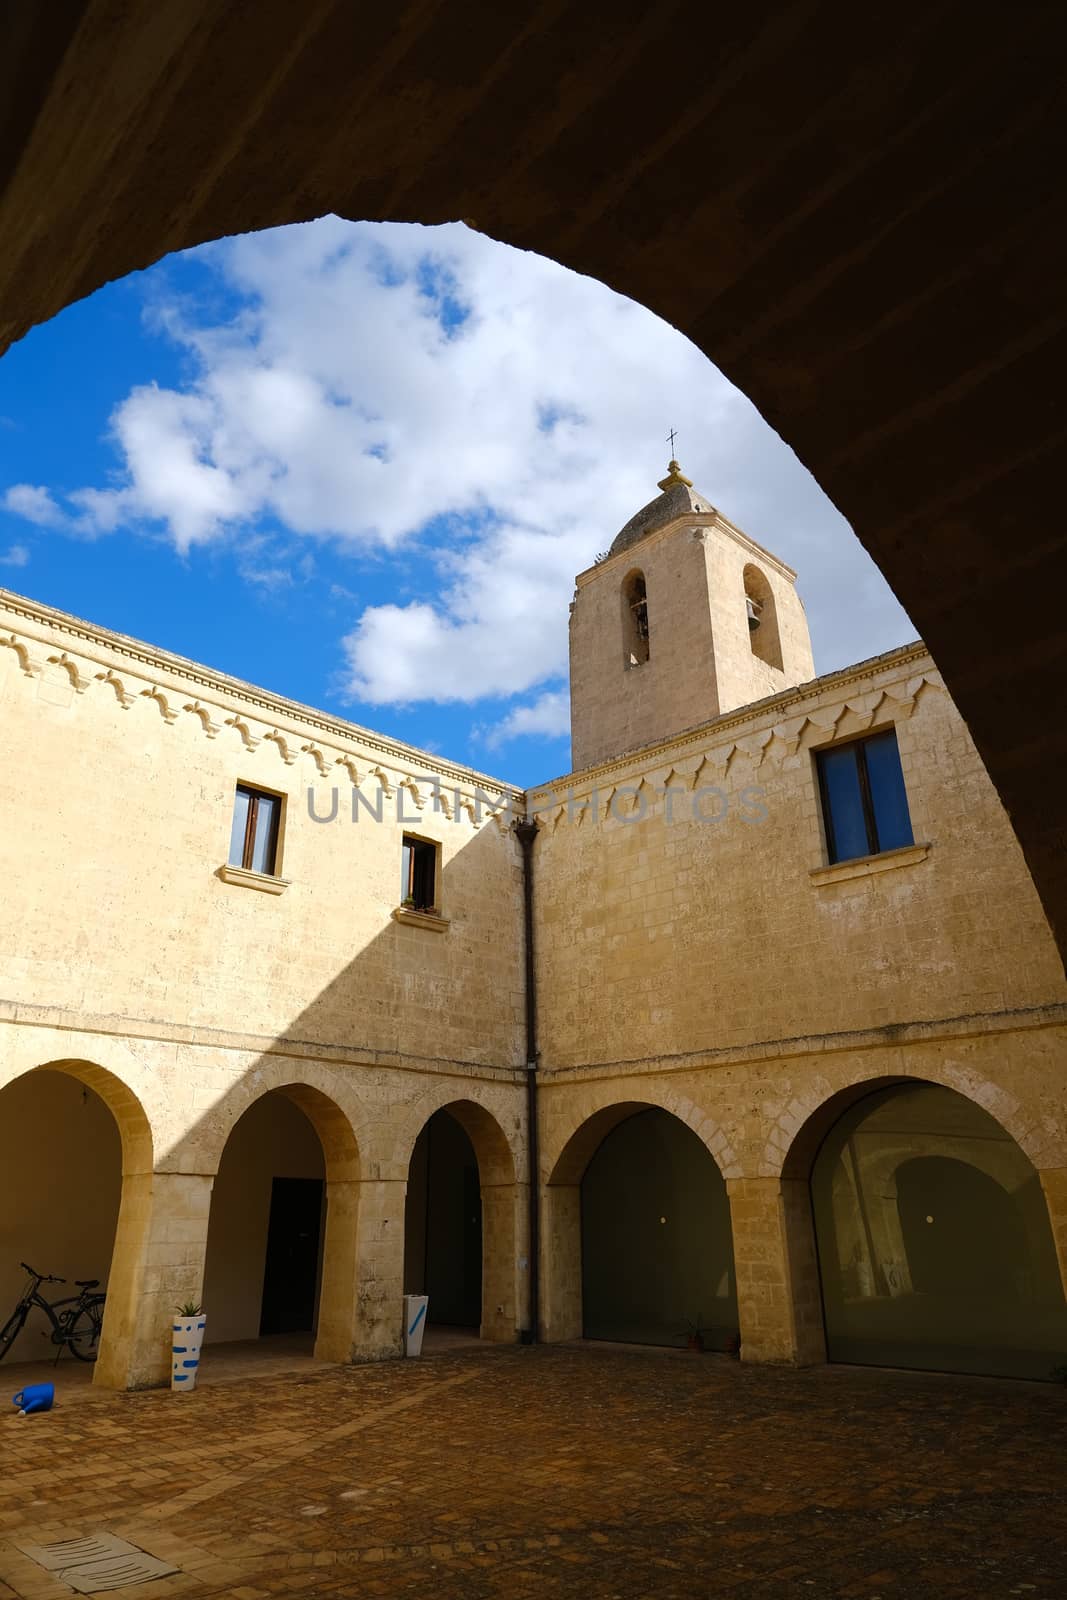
{"x": 587, "y": 1471}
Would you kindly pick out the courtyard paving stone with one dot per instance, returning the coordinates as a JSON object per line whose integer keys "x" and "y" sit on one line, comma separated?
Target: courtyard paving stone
{"x": 561, "y": 1471}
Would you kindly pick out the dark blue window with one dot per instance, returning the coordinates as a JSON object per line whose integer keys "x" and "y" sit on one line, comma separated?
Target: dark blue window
{"x": 864, "y": 803}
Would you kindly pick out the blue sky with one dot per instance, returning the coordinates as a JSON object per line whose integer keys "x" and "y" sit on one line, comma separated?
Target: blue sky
{"x": 359, "y": 464}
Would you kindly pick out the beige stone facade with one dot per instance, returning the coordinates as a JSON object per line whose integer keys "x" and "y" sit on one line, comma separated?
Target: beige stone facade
{"x": 696, "y": 951}
{"x": 695, "y": 571}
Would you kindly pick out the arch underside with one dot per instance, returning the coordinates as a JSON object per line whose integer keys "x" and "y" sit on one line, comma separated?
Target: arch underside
{"x": 907, "y": 1227}
{"x": 891, "y": 300}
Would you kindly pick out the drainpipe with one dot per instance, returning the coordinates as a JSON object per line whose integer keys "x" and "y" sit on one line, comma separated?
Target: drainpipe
{"x": 526, "y": 831}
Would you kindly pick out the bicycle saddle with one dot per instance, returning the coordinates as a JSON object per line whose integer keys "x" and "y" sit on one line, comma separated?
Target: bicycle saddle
{"x": 86, "y": 1283}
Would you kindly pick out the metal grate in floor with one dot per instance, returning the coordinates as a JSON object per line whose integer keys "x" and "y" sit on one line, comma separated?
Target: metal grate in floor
{"x": 97, "y": 1562}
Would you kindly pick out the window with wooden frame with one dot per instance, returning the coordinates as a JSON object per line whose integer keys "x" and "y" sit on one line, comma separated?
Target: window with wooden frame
{"x": 418, "y": 874}
{"x": 255, "y": 829}
{"x": 864, "y": 802}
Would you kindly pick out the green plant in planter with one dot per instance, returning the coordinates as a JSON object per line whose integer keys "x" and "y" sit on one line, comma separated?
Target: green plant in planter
{"x": 190, "y": 1308}
{"x": 694, "y": 1334}
{"x": 408, "y": 902}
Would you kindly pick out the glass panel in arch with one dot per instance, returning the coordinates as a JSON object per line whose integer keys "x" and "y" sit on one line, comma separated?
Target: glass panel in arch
{"x": 935, "y": 1248}
{"x": 657, "y": 1245}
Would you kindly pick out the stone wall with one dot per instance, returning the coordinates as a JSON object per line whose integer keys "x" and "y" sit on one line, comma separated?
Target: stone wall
{"x": 685, "y": 906}
{"x": 181, "y": 993}
{"x": 695, "y": 951}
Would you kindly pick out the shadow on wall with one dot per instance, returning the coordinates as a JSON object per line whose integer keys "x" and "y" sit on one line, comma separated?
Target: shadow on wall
{"x": 300, "y": 1161}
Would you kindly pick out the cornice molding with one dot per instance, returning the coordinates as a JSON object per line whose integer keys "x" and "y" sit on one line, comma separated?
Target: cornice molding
{"x": 42, "y": 637}
{"x": 773, "y": 728}
{"x": 764, "y": 1052}
{"x": 58, "y": 1019}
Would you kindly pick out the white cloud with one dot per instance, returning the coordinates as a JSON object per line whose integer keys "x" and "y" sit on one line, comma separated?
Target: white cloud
{"x": 17, "y": 555}
{"x": 35, "y": 504}
{"x": 548, "y": 717}
{"x": 391, "y": 385}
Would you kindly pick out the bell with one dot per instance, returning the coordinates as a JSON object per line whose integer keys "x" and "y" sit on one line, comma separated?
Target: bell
{"x": 753, "y": 614}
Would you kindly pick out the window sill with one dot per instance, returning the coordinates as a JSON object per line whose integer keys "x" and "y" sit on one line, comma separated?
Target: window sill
{"x": 253, "y": 880}
{"x": 421, "y": 919}
{"x": 866, "y": 866}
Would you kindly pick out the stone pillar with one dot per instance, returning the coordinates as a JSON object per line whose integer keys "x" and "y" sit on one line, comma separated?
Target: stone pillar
{"x": 377, "y": 1278}
{"x": 779, "y": 1305}
{"x": 561, "y": 1262}
{"x": 500, "y": 1289}
{"x": 157, "y": 1262}
{"x": 1054, "y": 1183}
{"x": 335, "y": 1334}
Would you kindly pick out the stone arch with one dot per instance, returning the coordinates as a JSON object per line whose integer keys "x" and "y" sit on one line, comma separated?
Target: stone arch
{"x": 504, "y": 1280}
{"x": 764, "y": 638}
{"x": 633, "y": 594}
{"x": 131, "y": 1225}
{"x": 568, "y": 1150}
{"x": 800, "y": 1127}
{"x": 135, "y": 1128}
{"x": 311, "y": 1090}
{"x": 501, "y": 1158}
{"x": 323, "y": 1095}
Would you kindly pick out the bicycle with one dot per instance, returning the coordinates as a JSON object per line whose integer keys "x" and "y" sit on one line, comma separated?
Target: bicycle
{"x": 77, "y": 1327}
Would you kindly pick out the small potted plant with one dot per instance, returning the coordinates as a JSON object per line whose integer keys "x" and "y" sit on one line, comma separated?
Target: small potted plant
{"x": 187, "y": 1335}
{"x": 694, "y": 1335}
{"x": 408, "y": 902}
{"x": 733, "y": 1346}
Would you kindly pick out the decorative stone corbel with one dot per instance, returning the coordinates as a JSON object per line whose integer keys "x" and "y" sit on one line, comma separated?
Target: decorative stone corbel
{"x": 418, "y": 798}
{"x": 166, "y": 710}
{"x": 30, "y": 667}
{"x": 318, "y": 757}
{"x": 249, "y": 739}
{"x": 208, "y": 724}
{"x": 350, "y": 767}
{"x": 790, "y": 734}
{"x": 73, "y": 671}
{"x": 122, "y": 694}
{"x": 285, "y": 749}
{"x": 442, "y": 801}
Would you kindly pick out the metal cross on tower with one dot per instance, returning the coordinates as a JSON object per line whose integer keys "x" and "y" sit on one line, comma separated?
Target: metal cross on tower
{"x": 671, "y": 436}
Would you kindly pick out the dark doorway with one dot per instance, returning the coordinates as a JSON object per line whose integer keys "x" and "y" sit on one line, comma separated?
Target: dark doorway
{"x": 657, "y": 1245}
{"x": 443, "y": 1234}
{"x": 291, "y": 1271}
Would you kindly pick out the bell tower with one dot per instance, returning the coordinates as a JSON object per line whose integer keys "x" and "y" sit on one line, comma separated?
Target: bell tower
{"x": 684, "y": 619}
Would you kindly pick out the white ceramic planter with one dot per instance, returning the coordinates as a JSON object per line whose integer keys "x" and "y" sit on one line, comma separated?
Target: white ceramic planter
{"x": 414, "y": 1323}
{"x": 187, "y": 1337}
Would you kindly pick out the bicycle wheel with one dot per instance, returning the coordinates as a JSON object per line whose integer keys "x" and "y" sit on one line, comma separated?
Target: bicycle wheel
{"x": 11, "y": 1329}
{"x": 83, "y": 1336}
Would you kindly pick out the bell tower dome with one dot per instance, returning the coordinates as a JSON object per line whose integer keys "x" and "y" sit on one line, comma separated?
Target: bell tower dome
{"x": 684, "y": 619}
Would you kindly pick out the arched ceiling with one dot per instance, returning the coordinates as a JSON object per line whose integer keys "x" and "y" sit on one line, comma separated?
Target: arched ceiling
{"x": 858, "y": 212}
